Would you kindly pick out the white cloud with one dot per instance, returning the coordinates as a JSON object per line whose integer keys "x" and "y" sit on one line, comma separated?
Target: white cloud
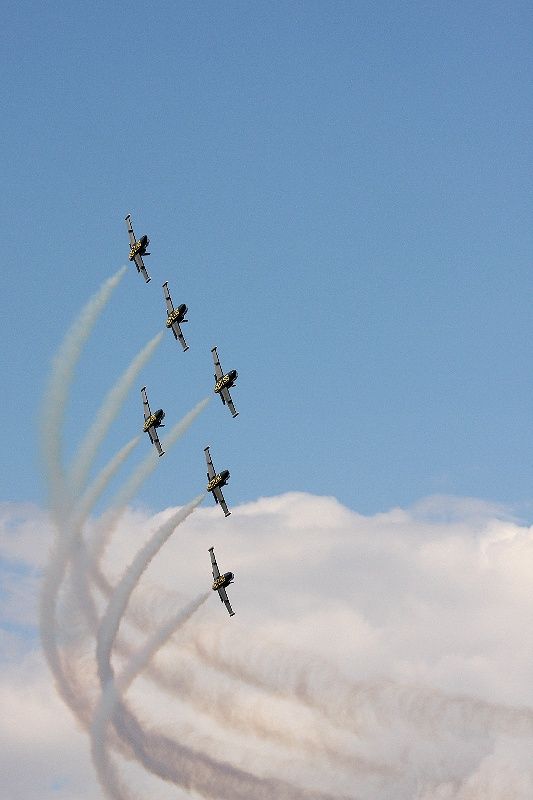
{"x": 25, "y": 535}
{"x": 385, "y": 657}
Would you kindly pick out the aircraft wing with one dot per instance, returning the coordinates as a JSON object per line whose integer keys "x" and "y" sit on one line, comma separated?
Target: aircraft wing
{"x": 214, "y": 565}
{"x": 130, "y": 231}
{"x": 216, "y": 362}
{"x": 224, "y": 597}
{"x": 146, "y": 404}
{"x": 226, "y": 399}
{"x": 154, "y": 438}
{"x": 210, "y": 467}
{"x": 168, "y": 299}
{"x": 139, "y": 263}
{"x": 178, "y": 334}
{"x": 219, "y": 497}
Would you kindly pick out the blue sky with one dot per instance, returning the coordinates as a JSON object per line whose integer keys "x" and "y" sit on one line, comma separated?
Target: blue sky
{"x": 341, "y": 194}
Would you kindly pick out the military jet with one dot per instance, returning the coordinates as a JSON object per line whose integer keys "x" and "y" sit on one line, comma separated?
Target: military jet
{"x": 223, "y": 383}
{"x": 221, "y": 581}
{"x": 216, "y": 481}
{"x": 138, "y": 249}
{"x": 175, "y": 316}
{"x": 152, "y": 421}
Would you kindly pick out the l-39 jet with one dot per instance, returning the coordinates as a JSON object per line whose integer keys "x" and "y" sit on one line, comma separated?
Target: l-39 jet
{"x": 223, "y": 383}
{"x": 138, "y": 249}
{"x": 174, "y": 317}
{"x": 216, "y": 481}
{"x": 221, "y": 581}
{"x": 152, "y": 421}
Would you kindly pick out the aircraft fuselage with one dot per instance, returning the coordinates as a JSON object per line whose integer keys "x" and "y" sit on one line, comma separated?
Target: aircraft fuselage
{"x": 222, "y": 581}
{"x": 220, "y": 479}
{"x": 154, "y": 420}
{"x": 139, "y": 248}
{"x": 178, "y": 315}
{"x": 226, "y": 381}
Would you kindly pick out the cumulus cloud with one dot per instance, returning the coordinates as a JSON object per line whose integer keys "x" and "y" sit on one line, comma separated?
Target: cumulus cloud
{"x": 383, "y": 658}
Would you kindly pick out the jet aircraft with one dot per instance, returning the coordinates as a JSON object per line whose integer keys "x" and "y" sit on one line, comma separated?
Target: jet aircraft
{"x": 223, "y": 383}
{"x": 174, "y": 317}
{"x": 221, "y": 581}
{"x": 152, "y": 421}
{"x": 138, "y": 249}
{"x": 216, "y": 481}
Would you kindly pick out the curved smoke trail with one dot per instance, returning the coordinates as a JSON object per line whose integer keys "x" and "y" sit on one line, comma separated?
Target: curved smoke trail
{"x": 119, "y": 600}
{"x": 56, "y": 393}
{"x": 54, "y": 404}
{"x": 114, "y": 689}
{"x": 68, "y": 536}
{"x": 93, "y": 492}
{"x": 201, "y": 774}
{"x": 75, "y": 549}
{"x": 107, "y": 413}
{"x": 84, "y": 564}
{"x": 191, "y": 685}
{"x": 347, "y": 704}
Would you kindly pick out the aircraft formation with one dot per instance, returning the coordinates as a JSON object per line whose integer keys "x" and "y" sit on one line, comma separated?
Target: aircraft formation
{"x": 223, "y": 383}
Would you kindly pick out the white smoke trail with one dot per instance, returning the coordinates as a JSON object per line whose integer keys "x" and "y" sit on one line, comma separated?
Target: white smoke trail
{"x": 87, "y": 566}
{"x": 54, "y": 403}
{"x": 70, "y": 547}
{"x": 261, "y": 715}
{"x": 145, "y": 654}
{"x": 184, "y": 766}
{"x": 93, "y": 492}
{"x": 75, "y": 550}
{"x": 195, "y": 686}
{"x": 107, "y": 413}
{"x": 373, "y": 708}
{"x": 119, "y": 600}
{"x": 349, "y": 704}
{"x": 107, "y": 632}
{"x": 201, "y": 774}
{"x": 115, "y": 688}
{"x": 84, "y": 565}
{"x": 61, "y": 377}
{"x": 192, "y": 685}
{"x": 232, "y": 707}
{"x": 171, "y": 761}
{"x": 64, "y": 547}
